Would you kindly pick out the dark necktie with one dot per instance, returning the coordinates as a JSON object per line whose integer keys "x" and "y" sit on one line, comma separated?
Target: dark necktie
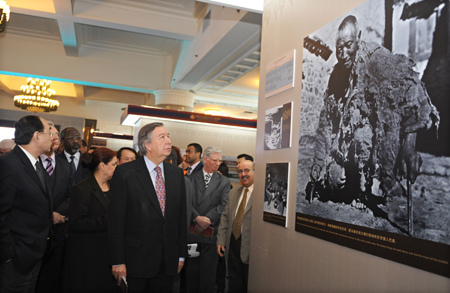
{"x": 40, "y": 173}
{"x": 189, "y": 170}
{"x": 207, "y": 177}
{"x": 49, "y": 167}
{"x": 160, "y": 189}
{"x": 72, "y": 165}
{"x": 239, "y": 216}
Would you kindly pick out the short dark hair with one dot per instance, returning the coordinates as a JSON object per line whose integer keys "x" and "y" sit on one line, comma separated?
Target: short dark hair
{"x": 223, "y": 169}
{"x": 197, "y": 147}
{"x": 119, "y": 152}
{"x": 101, "y": 155}
{"x": 246, "y": 157}
{"x": 26, "y": 127}
{"x": 178, "y": 153}
{"x": 172, "y": 157}
{"x": 62, "y": 135}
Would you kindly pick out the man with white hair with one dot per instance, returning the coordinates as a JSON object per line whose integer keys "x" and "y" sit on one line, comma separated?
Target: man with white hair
{"x": 211, "y": 191}
{"x": 6, "y": 145}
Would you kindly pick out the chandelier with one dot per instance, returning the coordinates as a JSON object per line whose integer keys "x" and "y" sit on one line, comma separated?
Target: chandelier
{"x": 36, "y": 96}
{"x": 4, "y": 15}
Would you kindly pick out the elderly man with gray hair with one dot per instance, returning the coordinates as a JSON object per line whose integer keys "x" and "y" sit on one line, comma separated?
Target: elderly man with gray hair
{"x": 6, "y": 145}
{"x": 211, "y": 191}
{"x": 147, "y": 216}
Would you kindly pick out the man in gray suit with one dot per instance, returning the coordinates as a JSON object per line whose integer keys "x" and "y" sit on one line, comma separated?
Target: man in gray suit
{"x": 233, "y": 236}
{"x": 211, "y": 191}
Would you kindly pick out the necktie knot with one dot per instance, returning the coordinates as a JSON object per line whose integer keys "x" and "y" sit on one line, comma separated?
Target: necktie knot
{"x": 72, "y": 165}
{"x": 189, "y": 170}
{"x": 207, "y": 178}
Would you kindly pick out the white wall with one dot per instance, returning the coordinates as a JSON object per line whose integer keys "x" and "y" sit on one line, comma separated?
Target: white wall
{"x": 283, "y": 260}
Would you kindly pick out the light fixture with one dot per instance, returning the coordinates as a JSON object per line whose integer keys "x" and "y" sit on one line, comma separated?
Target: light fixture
{"x": 212, "y": 112}
{"x": 36, "y": 96}
{"x": 4, "y": 17}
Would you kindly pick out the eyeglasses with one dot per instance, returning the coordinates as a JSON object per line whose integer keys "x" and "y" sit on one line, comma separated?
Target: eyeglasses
{"x": 242, "y": 171}
{"x": 51, "y": 133}
{"x": 216, "y": 160}
{"x": 73, "y": 138}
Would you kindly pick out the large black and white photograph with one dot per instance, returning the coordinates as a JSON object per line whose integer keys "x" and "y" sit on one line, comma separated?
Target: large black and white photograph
{"x": 374, "y": 147}
{"x": 277, "y": 129}
{"x": 275, "y": 194}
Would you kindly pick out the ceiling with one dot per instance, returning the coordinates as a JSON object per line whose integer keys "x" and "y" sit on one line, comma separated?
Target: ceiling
{"x": 209, "y": 50}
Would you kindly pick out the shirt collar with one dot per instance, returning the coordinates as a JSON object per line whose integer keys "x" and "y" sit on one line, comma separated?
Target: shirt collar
{"x": 151, "y": 166}
{"x": 30, "y": 157}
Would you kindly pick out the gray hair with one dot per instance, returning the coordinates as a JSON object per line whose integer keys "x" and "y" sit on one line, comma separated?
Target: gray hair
{"x": 211, "y": 150}
{"x": 7, "y": 143}
{"x": 146, "y": 135}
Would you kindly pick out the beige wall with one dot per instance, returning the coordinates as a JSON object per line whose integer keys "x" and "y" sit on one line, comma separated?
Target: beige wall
{"x": 283, "y": 260}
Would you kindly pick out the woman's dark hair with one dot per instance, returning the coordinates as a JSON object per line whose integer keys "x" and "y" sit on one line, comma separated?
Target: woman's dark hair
{"x": 26, "y": 127}
{"x": 223, "y": 168}
{"x": 100, "y": 155}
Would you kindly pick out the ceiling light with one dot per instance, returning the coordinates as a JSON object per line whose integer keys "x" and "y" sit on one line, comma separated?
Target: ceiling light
{"x": 212, "y": 112}
{"x": 36, "y": 96}
{"x": 4, "y": 17}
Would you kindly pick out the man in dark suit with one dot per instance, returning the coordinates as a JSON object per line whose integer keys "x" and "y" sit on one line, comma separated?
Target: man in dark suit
{"x": 233, "y": 236}
{"x": 58, "y": 174}
{"x": 211, "y": 191}
{"x": 71, "y": 139}
{"x": 25, "y": 206}
{"x": 147, "y": 216}
{"x": 193, "y": 157}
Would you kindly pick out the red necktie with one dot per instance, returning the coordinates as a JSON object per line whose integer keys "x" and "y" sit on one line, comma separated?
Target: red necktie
{"x": 160, "y": 189}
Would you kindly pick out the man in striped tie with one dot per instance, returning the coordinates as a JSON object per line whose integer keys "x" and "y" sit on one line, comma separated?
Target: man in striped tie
{"x": 60, "y": 179}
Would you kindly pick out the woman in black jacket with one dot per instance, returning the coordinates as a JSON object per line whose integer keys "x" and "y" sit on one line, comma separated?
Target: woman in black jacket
{"x": 86, "y": 266}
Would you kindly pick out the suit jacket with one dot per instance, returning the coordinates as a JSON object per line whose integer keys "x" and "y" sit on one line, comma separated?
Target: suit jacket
{"x": 86, "y": 262}
{"x": 197, "y": 168}
{"x": 61, "y": 183}
{"x": 226, "y": 224}
{"x": 209, "y": 202}
{"x": 81, "y": 172}
{"x": 139, "y": 235}
{"x": 25, "y": 212}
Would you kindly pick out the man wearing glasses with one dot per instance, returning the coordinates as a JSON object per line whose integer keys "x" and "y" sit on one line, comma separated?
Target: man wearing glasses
{"x": 25, "y": 206}
{"x": 211, "y": 191}
{"x": 60, "y": 179}
{"x": 233, "y": 236}
{"x": 71, "y": 139}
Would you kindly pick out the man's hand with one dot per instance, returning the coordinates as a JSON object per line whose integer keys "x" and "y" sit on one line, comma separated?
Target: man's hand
{"x": 58, "y": 218}
{"x": 203, "y": 222}
{"x": 220, "y": 250}
{"x": 119, "y": 272}
{"x": 180, "y": 265}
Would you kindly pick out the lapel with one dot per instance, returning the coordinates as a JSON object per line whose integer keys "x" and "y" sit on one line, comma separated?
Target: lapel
{"x": 98, "y": 193}
{"x": 199, "y": 185}
{"x": 30, "y": 168}
{"x": 144, "y": 178}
